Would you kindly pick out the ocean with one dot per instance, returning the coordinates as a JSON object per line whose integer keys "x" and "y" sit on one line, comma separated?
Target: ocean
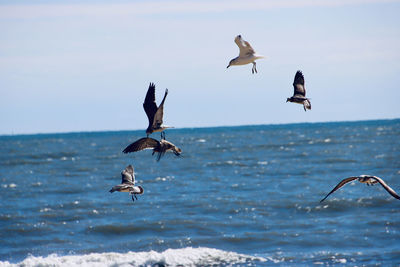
{"x": 238, "y": 196}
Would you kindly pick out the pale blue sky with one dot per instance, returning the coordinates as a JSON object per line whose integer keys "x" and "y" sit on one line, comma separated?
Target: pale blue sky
{"x": 86, "y": 65}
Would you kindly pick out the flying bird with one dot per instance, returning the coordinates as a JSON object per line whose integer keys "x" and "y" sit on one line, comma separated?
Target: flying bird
{"x": 128, "y": 183}
{"x": 246, "y": 54}
{"x": 299, "y": 95}
{"x": 365, "y": 179}
{"x": 154, "y": 113}
{"x": 160, "y": 147}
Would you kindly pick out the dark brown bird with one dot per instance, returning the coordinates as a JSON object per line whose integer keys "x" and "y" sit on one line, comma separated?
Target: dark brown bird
{"x": 128, "y": 183}
{"x": 161, "y": 147}
{"x": 366, "y": 179}
{"x": 299, "y": 95}
{"x": 154, "y": 113}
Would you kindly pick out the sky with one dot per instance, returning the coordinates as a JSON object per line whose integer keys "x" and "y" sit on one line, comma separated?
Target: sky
{"x": 68, "y": 66}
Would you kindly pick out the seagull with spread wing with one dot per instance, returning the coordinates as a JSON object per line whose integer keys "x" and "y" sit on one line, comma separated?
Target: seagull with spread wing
{"x": 160, "y": 147}
{"x": 154, "y": 113}
{"x": 299, "y": 95}
{"x": 366, "y": 179}
{"x": 128, "y": 183}
{"x": 246, "y": 54}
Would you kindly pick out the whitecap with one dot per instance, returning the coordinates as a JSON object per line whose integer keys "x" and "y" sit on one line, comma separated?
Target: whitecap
{"x": 188, "y": 256}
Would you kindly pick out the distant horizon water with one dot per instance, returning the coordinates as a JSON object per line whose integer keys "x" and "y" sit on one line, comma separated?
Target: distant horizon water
{"x": 200, "y": 127}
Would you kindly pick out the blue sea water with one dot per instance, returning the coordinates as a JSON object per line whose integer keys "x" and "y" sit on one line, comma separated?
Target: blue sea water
{"x": 238, "y": 196}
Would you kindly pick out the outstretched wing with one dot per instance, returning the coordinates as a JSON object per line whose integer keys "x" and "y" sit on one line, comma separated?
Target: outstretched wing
{"x": 298, "y": 84}
{"x": 128, "y": 175}
{"x": 158, "y": 117}
{"x": 149, "y": 105}
{"x": 342, "y": 183}
{"x": 143, "y": 143}
{"x": 387, "y": 188}
{"x": 244, "y": 46}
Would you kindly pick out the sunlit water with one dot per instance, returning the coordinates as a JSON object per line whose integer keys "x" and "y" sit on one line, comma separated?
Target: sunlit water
{"x": 237, "y": 196}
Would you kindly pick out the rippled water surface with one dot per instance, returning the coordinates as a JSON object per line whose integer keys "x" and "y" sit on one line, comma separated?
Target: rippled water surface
{"x": 238, "y": 196}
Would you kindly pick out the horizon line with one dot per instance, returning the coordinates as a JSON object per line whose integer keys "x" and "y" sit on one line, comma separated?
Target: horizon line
{"x": 185, "y": 128}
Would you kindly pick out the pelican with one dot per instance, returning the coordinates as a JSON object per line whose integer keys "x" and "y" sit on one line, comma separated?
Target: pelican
{"x": 154, "y": 113}
{"x": 246, "y": 54}
{"x": 128, "y": 183}
{"x": 299, "y": 95}
{"x": 365, "y": 179}
{"x": 160, "y": 147}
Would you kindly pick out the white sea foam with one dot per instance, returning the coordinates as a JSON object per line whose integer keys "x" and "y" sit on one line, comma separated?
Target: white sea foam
{"x": 171, "y": 257}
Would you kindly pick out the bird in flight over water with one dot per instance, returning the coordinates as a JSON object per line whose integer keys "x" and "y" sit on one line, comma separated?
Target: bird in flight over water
{"x": 299, "y": 95}
{"x": 154, "y": 113}
{"x": 160, "y": 147}
{"x": 128, "y": 183}
{"x": 246, "y": 54}
{"x": 365, "y": 179}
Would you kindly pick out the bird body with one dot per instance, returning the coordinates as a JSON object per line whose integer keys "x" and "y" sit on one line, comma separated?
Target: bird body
{"x": 247, "y": 54}
{"x": 128, "y": 183}
{"x": 365, "y": 179}
{"x": 160, "y": 147}
{"x": 299, "y": 95}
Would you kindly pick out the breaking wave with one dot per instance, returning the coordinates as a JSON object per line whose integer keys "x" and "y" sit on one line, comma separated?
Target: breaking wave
{"x": 171, "y": 257}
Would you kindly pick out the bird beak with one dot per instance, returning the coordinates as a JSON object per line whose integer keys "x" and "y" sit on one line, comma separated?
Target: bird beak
{"x": 228, "y": 66}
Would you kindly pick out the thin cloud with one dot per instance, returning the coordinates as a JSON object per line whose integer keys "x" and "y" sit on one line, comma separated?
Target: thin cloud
{"x": 166, "y": 7}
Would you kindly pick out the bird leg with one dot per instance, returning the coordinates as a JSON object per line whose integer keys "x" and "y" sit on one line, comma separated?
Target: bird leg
{"x": 254, "y": 69}
{"x": 133, "y": 196}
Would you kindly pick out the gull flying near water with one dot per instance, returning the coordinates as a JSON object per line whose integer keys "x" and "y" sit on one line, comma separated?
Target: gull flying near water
{"x": 299, "y": 95}
{"x": 246, "y": 54}
{"x": 160, "y": 147}
{"x": 128, "y": 183}
{"x": 154, "y": 113}
{"x": 366, "y": 179}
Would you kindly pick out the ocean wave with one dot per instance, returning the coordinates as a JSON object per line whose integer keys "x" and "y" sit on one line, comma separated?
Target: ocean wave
{"x": 188, "y": 256}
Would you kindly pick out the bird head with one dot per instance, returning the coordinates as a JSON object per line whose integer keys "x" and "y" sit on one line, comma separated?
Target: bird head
{"x": 177, "y": 151}
{"x": 232, "y": 62}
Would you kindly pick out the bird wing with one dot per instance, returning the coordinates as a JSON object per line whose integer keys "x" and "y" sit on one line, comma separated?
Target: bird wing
{"x": 298, "y": 84}
{"x": 143, "y": 143}
{"x": 387, "y": 188}
{"x": 342, "y": 183}
{"x": 128, "y": 175}
{"x": 244, "y": 47}
{"x": 149, "y": 105}
{"x": 158, "y": 117}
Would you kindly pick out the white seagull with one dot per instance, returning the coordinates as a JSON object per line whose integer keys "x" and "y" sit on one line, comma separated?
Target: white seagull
{"x": 365, "y": 179}
{"x": 128, "y": 183}
{"x": 246, "y": 54}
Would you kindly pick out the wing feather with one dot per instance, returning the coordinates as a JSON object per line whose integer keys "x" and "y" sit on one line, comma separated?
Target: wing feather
{"x": 339, "y": 185}
{"x": 387, "y": 188}
{"x": 298, "y": 84}
{"x": 149, "y": 105}
{"x": 128, "y": 175}
{"x": 158, "y": 117}
{"x": 244, "y": 46}
{"x": 141, "y": 144}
